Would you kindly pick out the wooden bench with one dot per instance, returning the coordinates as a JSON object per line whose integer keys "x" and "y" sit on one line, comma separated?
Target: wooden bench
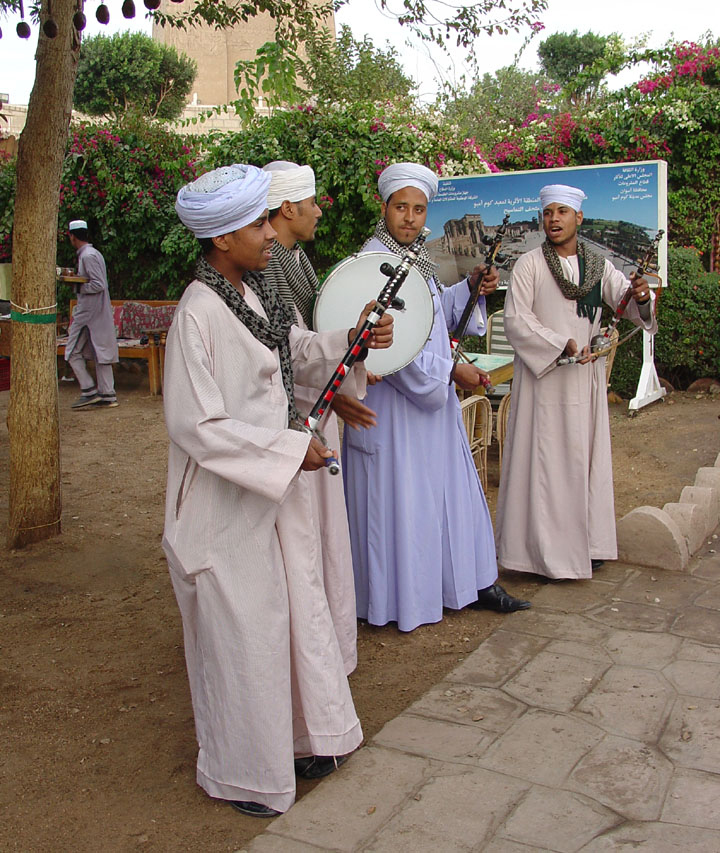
{"x": 152, "y": 351}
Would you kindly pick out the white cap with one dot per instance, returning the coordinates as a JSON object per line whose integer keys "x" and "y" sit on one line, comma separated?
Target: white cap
{"x": 400, "y": 175}
{"x": 289, "y": 182}
{"x": 562, "y": 194}
{"x": 77, "y": 224}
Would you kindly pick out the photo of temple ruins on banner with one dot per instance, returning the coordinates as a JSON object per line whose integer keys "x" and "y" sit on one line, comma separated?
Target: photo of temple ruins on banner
{"x": 626, "y": 205}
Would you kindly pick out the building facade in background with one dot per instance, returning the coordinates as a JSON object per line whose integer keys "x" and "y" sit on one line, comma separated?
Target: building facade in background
{"x": 216, "y": 52}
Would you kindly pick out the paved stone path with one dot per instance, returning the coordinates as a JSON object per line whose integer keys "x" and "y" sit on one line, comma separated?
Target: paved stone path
{"x": 589, "y": 723}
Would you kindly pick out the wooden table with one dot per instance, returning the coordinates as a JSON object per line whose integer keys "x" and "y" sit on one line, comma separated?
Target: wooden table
{"x": 499, "y": 367}
{"x": 5, "y": 337}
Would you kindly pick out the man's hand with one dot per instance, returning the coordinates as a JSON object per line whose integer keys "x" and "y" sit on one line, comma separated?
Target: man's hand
{"x": 640, "y": 288}
{"x": 373, "y": 378}
{"x": 467, "y": 376}
{"x": 353, "y": 412}
{"x": 571, "y": 349}
{"x": 316, "y": 455}
{"x": 381, "y": 336}
{"x": 490, "y": 279}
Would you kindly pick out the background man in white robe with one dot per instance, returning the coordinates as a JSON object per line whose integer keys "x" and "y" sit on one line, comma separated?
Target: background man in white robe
{"x": 269, "y": 690}
{"x": 294, "y": 215}
{"x": 92, "y": 331}
{"x": 420, "y": 527}
{"x": 556, "y": 515}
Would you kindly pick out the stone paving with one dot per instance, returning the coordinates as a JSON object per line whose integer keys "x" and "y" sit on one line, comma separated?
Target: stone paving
{"x": 589, "y": 723}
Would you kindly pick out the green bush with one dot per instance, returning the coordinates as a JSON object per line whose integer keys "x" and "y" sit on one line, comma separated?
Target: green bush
{"x": 348, "y": 147}
{"x": 687, "y": 345}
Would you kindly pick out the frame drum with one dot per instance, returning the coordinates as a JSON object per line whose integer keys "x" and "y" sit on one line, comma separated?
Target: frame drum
{"x": 357, "y": 280}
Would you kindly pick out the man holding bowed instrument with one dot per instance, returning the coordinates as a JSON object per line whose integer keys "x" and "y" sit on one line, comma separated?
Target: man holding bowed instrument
{"x": 556, "y": 515}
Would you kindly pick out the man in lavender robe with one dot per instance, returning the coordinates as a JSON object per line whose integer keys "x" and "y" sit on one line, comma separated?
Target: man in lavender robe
{"x": 556, "y": 515}
{"x": 420, "y": 527}
{"x": 270, "y": 696}
{"x": 92, "y": 331}
{"x": 294, "y": 214}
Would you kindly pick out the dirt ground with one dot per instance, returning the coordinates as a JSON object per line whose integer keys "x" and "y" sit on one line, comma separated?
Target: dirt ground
{"x": 97, "y": 747}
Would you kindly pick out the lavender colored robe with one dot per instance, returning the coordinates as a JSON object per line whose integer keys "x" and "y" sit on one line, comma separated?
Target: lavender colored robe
{"x": 420, "y": 529}
{"x": 556, "y": 507}
{"x": 266, "y": 674}
{"x": 93, "y": 310}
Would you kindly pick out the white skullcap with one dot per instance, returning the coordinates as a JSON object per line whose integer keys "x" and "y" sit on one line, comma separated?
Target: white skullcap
{"x": 223, "y": 200}
{"x": 289, "y": 182}
{"x": 76, "y": 224}
{"x": 562, "y": 194}
{"x": 400, "y": 175}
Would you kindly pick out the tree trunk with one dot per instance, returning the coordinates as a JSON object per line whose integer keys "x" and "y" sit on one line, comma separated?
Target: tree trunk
{"x": 33, "y": 426}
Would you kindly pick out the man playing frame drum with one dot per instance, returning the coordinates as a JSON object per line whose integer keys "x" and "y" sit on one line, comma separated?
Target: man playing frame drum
{"x": 420, "y": 528}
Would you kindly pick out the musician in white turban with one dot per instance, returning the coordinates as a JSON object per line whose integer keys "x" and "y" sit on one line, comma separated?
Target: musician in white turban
{"x": 267, "y": 678}
{"x": 555, "y": 515}
{"x": 420, "y": 529}
{"x": 294, "y": 214}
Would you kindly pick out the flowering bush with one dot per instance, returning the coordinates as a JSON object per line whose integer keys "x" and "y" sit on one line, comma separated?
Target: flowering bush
{"x": 687, "y": 345}
{"x": 122, "y": 179}
{"x": 348, "y": 147}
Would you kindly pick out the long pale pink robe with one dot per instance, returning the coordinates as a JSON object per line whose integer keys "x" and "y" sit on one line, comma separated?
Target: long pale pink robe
{"x": 266, "y": 673}
{"x": 328, "y": 496}
{"x": 555, "y": 507}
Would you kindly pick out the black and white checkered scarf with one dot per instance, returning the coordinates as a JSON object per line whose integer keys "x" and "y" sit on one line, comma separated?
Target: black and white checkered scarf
{"x": 273, "y": 332}
{"x": 424, "y": 263}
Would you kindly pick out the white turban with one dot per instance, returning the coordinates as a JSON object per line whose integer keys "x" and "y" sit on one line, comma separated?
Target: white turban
{"x": 562, "y": 194}
{"x": 77, "y": 224}
{"x": 400, "y": 175}
{"x": 289, "y": 182}
{"x": 223, "y": 200}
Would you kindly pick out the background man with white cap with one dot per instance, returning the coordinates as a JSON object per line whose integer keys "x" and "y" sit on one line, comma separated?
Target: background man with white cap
{"x": 556, "y": 515}
{"x": 420, "y": 528}
{"x": 92, "y": 331}
{"x": 268, "y": 684}
{"x": 294, "y": 214}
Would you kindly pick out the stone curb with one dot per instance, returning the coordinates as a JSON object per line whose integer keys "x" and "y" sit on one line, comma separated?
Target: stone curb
{"x": 666, "y": 538}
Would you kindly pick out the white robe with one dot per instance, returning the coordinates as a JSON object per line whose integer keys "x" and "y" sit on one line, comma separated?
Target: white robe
{"x": 93, "y": 311}
{"x": 266, "y": 674}
{"x": 328, "y": 497}
{"x": 555, "y": 507}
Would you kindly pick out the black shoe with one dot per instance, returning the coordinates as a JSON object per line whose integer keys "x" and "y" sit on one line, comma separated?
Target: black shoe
{"x": 317, "y": 766}
{"x": 90, "y": 399}
{"x": 253, "y": 809}
{"x": 596, "y": 564}
{"x": 496, "y": 598}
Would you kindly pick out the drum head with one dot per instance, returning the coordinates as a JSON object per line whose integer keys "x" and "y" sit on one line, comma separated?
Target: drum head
{"x": 357, "y": 280}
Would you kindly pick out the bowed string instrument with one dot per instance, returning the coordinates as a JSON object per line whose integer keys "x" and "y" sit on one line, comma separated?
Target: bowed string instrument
{"x": 387, "y": 298}
{"x": 494, "y": 243}
{"x": 603, "y": 343}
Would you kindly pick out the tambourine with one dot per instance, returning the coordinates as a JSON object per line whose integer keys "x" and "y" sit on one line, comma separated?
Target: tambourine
{"x": 357, "y": 280}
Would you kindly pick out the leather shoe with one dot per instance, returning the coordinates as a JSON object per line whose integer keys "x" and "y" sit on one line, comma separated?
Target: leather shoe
{"x": 317, "y": 766}
{"x": 496, "y": 598}
{"x": 597, "y": 563}
{"x": 253, "y": 809}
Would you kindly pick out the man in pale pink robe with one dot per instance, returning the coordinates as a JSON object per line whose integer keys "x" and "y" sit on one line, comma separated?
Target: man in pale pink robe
{"x": 294, "y": 214}
{"x": 555, "y": 514}
{"x": 266, "y": 674}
